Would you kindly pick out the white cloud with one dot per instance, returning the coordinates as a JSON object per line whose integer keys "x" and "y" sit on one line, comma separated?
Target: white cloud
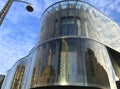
{"x": 15, "y": 42}
{"x": 108, "y": 7}
{"x": 107, "y": 4}
{"x": 13, "y": 47}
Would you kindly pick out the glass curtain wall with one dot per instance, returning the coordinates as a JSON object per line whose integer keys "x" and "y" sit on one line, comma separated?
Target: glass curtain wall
{"x": 71, "y": 46}
{"x": 77, "y": 18}
{"x": 71, "y": 61}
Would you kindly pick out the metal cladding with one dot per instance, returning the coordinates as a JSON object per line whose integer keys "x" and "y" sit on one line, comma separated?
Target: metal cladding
{"x": 76, "y": 47}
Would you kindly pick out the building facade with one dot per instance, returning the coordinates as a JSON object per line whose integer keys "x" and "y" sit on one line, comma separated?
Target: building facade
{"x": 1, "y": 80}
{"x": 78, "y": 46}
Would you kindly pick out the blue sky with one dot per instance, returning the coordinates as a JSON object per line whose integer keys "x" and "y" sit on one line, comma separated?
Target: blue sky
{"x": 19, "y": 31}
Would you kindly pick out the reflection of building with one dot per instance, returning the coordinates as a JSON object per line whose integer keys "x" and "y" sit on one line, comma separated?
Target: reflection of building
{"x": 76, "y": 47}
{"x": 17, "y": 80}
{"x": 95, "y": 70}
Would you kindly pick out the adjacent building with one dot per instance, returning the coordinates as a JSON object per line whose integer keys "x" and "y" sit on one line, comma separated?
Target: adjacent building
{"x": 1, "y": 80}
{"x": 78, "y": 46}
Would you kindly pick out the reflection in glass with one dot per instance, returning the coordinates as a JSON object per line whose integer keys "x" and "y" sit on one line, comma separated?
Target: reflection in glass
{"x": 73, "y": 61}
{"x": 78, "y": 26}
{"x": 96, "y": 74}
{"x": 18, "y": 77}
{"x": 63, "y": 30}
{"x": 33, "y": 78}
{"x": 47, "y": 75}
{"x": 115, "y": 60}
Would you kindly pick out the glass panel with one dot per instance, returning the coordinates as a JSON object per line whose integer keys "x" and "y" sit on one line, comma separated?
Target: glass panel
{"x": 63, "y": 30}
{"x": 64, "y": 5}
{"x": 71, "y": 11}
{"x": 78, "y": 26}
{"x": 46, "y": 71}
{"x": 70, "y": 25}
{"x": 33, "y": 78}
{"x": 71, "y": 30}
{"x": 72, "y": 2}
{"x": 63, "y": 26}
{"x": 17, "y": 81}
{"x": 64, "y": 13}
{"x": 115, "y": 60}
{"x": 96, "y": 72}
{"x": 21, "y": 76}
{"x": 82, "y": 20}
{"x": 70, "y": 20}
{"x": 16, "y": 78}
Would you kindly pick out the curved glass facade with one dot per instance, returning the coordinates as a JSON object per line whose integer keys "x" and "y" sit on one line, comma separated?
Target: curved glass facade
{"x": 76, "y": 47}
{"x": 73, "y": 61}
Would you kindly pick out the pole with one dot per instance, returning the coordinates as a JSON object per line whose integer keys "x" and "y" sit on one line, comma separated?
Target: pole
{"x": 4, "y": 10}
{"x": 7, "y": 6}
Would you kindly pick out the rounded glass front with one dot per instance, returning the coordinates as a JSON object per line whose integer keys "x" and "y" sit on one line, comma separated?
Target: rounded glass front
{"x": 71, "y": 62}
{"x": 71, "y": 33}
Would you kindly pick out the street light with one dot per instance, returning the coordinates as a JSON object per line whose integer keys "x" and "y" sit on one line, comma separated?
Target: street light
{"x": 7, "y": 6}
{"x": 29, "y": 6}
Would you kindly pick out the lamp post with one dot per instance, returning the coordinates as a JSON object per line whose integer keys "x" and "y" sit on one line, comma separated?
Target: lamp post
{"x": 7, "y": 6}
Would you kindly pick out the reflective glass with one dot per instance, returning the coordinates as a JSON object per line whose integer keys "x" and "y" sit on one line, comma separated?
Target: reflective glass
{"x": 114, "y": 57}
{"x": 75, "y": 61}
{"x": 71, "y": 30}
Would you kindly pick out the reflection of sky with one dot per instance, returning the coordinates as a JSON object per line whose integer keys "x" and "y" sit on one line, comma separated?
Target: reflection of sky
{"x": 19, "y": 31}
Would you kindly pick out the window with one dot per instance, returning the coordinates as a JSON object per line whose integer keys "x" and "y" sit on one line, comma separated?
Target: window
{"x": 63, "y": 26}
{"x": 71, "y": 26}
{"x": 71, "y": 29}
{"x": 67, "y": 26}
{"x": 63, "y": 30}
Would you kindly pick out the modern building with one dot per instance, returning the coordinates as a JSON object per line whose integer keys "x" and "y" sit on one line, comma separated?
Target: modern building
{"x": 78, "y": 46}
{"x": 1, "y": 80}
